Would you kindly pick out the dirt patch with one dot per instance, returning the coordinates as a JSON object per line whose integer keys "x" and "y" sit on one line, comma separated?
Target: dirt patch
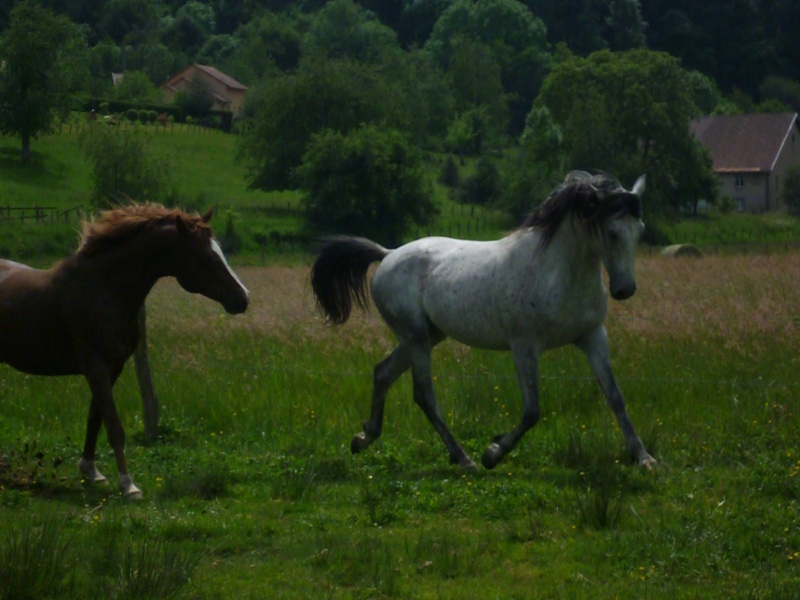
{"x": 282, "y": 306}
{"x": 729, "y": 297}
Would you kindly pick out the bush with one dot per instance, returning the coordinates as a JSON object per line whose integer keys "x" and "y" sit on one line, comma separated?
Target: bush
{"x": 450, "y": 175}
{"x": 132, "y": 114}
{"x": 483, "y": 186}
{"x": 368, "y": 182}
{"x": 790, "y": 192}
{"x": 143, "y": 115}
{"x": 122, "y": 169}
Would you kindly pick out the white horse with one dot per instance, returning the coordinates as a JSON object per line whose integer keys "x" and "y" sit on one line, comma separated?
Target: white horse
{"x": 538, "y": 288}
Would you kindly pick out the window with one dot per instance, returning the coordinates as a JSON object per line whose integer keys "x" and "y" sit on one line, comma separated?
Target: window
{"x": 740, "y": 204}
{"x": 738, "y": 180}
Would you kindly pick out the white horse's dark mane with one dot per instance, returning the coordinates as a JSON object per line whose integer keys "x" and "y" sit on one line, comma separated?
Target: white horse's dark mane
{"x": 591, "y": 197}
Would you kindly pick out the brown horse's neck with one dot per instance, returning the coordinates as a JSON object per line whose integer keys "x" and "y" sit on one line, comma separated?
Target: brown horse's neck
{"x": 129, "y": 270}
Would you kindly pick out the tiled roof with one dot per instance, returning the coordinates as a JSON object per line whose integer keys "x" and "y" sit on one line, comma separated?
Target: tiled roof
{"x": 230, "y": 82}
{"x": 744, "y": 143}
{"x": 219, "y": 75}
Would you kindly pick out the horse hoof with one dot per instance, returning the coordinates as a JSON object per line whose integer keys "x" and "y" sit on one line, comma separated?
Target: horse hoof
{"x": 359, "y": 443}
{"x": 90, "y": 473}
{"x": 493, "y": 455}
{"x": 129, "y": 489}
{"x": 648, "y": 462}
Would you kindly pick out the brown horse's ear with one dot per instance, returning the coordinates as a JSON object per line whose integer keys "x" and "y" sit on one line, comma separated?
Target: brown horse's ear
{"x": 181, "y": 225}
{"x": 208, "y": 214}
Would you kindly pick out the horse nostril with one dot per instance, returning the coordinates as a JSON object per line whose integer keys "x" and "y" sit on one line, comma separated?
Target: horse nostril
{"x": 623, "y": 293}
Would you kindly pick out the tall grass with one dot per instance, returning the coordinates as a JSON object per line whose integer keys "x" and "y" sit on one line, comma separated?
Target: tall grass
{"x": 34, "y": 559}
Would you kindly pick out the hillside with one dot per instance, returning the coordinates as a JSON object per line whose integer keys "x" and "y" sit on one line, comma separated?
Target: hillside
{"x": 203, "y": 171}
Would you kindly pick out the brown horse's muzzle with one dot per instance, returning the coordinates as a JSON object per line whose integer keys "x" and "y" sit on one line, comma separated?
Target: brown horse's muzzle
{"x": 236, "y": 305}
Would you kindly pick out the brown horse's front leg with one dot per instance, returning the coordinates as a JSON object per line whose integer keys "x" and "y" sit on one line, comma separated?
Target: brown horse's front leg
{"x": 100, "y": 384}
{"x": 86, "y": 466}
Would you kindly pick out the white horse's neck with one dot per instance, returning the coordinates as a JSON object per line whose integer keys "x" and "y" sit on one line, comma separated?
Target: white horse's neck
{"x": 571, "y": 250}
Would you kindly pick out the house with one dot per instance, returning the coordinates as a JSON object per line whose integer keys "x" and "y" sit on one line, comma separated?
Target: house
{"x": 228, "y": 93}
{"x": 751, "y": 154}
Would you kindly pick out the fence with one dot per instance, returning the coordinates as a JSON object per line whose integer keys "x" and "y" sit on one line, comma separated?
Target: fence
{"x": 39, "y": 214}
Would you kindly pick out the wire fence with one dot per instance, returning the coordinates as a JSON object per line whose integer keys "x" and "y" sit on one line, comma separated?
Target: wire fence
{"x": 40, "y": 214}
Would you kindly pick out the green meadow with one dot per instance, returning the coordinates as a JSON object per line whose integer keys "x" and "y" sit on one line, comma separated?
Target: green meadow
{"x": 203, "y": 171}
{"x": 250, "y": 490}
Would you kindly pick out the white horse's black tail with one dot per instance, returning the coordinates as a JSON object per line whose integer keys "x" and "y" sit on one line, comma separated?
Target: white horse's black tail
{"x": 339, "y": 274}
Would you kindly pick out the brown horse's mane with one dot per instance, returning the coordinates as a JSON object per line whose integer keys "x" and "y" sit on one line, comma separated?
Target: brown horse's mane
{"x": 591, "y": 197}
{"x": 118, "y": 224}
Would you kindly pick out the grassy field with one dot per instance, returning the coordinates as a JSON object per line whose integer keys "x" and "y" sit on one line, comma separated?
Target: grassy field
{"x": 251, "y": 491}
{"x": 204, "y": 171}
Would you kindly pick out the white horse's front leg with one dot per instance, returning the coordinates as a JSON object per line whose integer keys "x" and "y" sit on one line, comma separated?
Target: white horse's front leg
{"x": 425, "y": 397}
{"x": 526, "y": 361}
{"x": 595, "y": 346}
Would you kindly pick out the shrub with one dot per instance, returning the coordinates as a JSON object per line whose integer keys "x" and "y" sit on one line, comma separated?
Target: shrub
{"x": 369, "y": 182}
{"x": 790, "y": 192}
{"x": 122, "y": 169}
{"x": 132, "y": 114}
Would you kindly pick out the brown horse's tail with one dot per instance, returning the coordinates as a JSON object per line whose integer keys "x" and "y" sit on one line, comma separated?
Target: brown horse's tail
{"x": 339, "y": 274}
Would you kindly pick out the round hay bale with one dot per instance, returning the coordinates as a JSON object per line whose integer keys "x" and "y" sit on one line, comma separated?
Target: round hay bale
{"x": 682, "y": 250}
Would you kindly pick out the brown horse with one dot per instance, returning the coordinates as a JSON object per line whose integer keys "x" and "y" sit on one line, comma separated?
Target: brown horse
{"x": 79, "y": 317}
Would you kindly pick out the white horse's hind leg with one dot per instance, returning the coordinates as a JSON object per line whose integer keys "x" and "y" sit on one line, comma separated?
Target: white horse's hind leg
{"x": 595, "y": 346}
{"x": 425, "y": 397}
{"x": 385, "y": 374}
{"x": 526, "y": 361}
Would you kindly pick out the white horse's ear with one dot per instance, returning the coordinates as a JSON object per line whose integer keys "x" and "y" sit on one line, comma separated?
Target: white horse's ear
{"x": 638, "y": 187}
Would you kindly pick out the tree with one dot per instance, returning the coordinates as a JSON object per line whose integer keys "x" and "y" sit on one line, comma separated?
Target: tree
{"x": 198, "y": 97}
{"x": 483, "y": 186}
{"x": 509, "y": 35}
{"x": 268, "y": 45}
{"x": 368, "y": 182}
{"x": 790, "y": 192}
{"x": 701, "y": 35}
{"x": 629, "y": 113}
{"x": 782, "y": 89}
{"x": 323, "y": 94}
{"x": 578, "y": 23}
{"x": 535, "y": 165}
{"x": 343, "y": 30}
{"x": 136, "y": 87}
{"x": 122, "y": 169}
{"x": 625, "y": 25}
{"x": 42, "y": 65}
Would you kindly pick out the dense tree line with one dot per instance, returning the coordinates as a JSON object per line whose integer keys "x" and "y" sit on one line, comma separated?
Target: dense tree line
{"x": 737, "y": 43}
{"x": 551, "y": 85}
